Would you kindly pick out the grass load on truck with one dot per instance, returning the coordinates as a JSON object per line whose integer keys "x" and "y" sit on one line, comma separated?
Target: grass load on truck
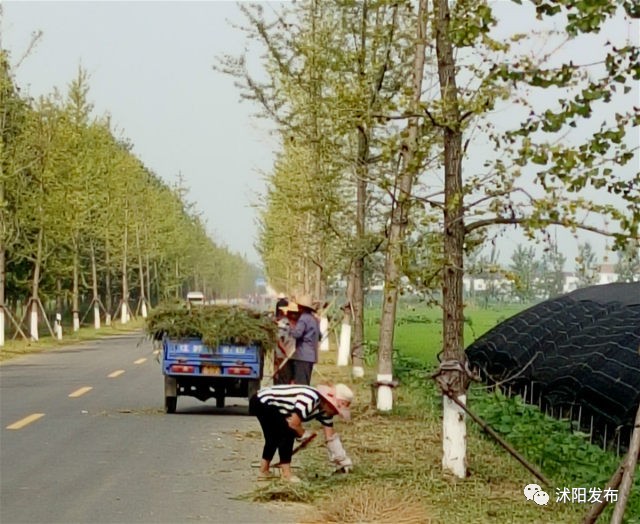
{"x": 211, "y": 351}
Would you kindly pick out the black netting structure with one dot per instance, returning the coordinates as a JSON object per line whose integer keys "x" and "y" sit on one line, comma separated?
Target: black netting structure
{"x": 581, "y": 350}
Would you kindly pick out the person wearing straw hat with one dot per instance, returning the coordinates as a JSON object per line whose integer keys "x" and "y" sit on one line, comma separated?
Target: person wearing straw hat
{"x": 282, "y": 302}
{"x": 306, "y": 333}
{"x": 286, "y": 345}
{"x": 282, "y": 409}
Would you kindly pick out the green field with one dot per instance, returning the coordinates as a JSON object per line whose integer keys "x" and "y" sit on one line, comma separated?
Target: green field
{"x": 418, "y": 332}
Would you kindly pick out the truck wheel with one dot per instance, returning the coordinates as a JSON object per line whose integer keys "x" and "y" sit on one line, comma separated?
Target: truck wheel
{"x": 170, "y": 404}
{"x": 252, "y": 388}
{"x": 219, "y": 402}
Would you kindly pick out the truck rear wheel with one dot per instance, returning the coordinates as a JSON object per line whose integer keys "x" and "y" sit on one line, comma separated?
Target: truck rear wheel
{"x": 170, "y": 404}
{"x": 220, "y": 402}
{"x": 252, "y": 388}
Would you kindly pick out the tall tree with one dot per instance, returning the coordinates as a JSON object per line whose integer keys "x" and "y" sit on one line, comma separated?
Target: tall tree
{"x": 552, "y": 271}
{"x": 12, "y": 116}
{"x": 586, "y": 266}
{"x": 628, "y": 265}
{"x": 566, "y": 169}
{"x": 410, "y": 165}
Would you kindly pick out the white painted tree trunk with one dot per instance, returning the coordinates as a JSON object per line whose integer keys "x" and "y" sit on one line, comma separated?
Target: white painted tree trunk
{"x": 33, "y": 328}
{"x": 57, "y": 327}
{"x": 344, "y": 348}
{"x": 143, "y": 309}
{"x": 454, "y": 437}
{"x": 96, "y": 316}
{"x": 385, "y": 394}
{"x": 357, "y": 372}
{"x": 76, "y": 321}
{"x": 124, "y": 313}
{"x": 107, "y": 319}
{"x": 1, "y": 327}
{"x": 324, "y": 329}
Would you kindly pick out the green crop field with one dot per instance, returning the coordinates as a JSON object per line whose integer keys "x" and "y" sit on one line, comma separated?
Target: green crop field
{"x": 418, "y": 332}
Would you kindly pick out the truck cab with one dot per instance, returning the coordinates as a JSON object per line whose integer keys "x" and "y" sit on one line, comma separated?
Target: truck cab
{"x": 195, "y": 298}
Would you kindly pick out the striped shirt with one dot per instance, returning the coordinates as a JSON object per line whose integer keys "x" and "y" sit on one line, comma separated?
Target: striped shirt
{"x": 303, "y": 400}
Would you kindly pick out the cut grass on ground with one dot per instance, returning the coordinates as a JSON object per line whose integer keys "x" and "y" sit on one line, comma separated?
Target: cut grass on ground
{"x": 398, "y": 475}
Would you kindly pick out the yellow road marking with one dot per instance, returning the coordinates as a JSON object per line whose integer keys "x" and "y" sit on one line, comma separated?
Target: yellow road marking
{"x": 26, "y": 420}
{"x": 116, "y": 373}
{"x": 80, "y": 392}
{"x": 156, "y": 352}
{"x": 140, "y": 361}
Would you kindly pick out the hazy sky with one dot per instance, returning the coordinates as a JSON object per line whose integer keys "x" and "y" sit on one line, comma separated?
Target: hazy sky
{"x": 150, "y": 66}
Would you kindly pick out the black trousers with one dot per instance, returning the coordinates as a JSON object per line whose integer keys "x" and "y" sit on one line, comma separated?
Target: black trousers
{"x": 300, "y": 371}
{"x": 283, "y": 376}
{"x": 277, "y": 433}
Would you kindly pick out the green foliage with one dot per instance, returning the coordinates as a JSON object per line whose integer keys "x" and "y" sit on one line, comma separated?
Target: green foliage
{"x": 556, "y": 447}
{"x": 72, "y": 194}
{"x": 628, "y": 265}
{"x": 587, "y": 266}
{"x": 215, "y": 324}
{"x": 561, "y": 451}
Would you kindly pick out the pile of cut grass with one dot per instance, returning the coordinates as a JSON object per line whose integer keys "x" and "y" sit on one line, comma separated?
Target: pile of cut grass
{"x": 214, "y": 324}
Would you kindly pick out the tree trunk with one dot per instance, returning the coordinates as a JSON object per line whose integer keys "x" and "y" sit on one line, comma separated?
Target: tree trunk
{"x": 357, "y": 271}
{"x": 399, "y": 217}
{"x": 108, "y": 301}
{"x": 344, "y": 346}
{"x": 148, "y": 280}
{"x": 454, "y": 426}
{"x": 156, "y": 281}
{"x": 124, "y": 310}
{"x": 317, "y": 291}
{"x": 177, "y": 281}
{"x": 143, "y": 298}
{"x": 35, "y": 285}
{"x": 147, "y": 265}
{"x": 2, "y": 279}
{"x": 94, "y": 286}
{"x": 75, "y": 294}
{"x": 629, "y": 469}
{"x": 362, "y": 173}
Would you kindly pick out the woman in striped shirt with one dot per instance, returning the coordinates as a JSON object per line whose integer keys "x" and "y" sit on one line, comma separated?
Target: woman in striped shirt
{"x": 282, "y": 409}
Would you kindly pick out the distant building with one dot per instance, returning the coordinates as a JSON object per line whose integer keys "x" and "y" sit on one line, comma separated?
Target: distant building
{"x": 607, "y": 274}
{"x": 571, "y": 282}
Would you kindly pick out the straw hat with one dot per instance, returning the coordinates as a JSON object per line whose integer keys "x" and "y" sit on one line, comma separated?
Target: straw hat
{"x": 291, "y": 307}
{"x": 305, "y": 301}
{"x": 333, "y": 394}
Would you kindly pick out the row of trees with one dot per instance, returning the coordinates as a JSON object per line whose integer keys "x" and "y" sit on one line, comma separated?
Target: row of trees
{"x": 84, "y": 222}
{"x": 379, "y": 103}
{"x": 530, "y": 277}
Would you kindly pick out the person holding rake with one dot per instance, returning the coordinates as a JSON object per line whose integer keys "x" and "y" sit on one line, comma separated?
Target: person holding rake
{"x": 282, "y": 409}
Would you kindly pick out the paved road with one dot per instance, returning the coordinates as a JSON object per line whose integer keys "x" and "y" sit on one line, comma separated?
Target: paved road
{"x": 84, "y": 439}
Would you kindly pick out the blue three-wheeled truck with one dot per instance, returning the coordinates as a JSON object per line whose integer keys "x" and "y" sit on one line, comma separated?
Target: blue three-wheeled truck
{"x": 194, "y": 369}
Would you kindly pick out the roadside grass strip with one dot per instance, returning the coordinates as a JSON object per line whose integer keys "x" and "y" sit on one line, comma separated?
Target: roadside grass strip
{"x": 25, "y": 421}
{"x": 80, "y": 392}
{"x": 115, "y": 373}
{"x": 398, "y": 476}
